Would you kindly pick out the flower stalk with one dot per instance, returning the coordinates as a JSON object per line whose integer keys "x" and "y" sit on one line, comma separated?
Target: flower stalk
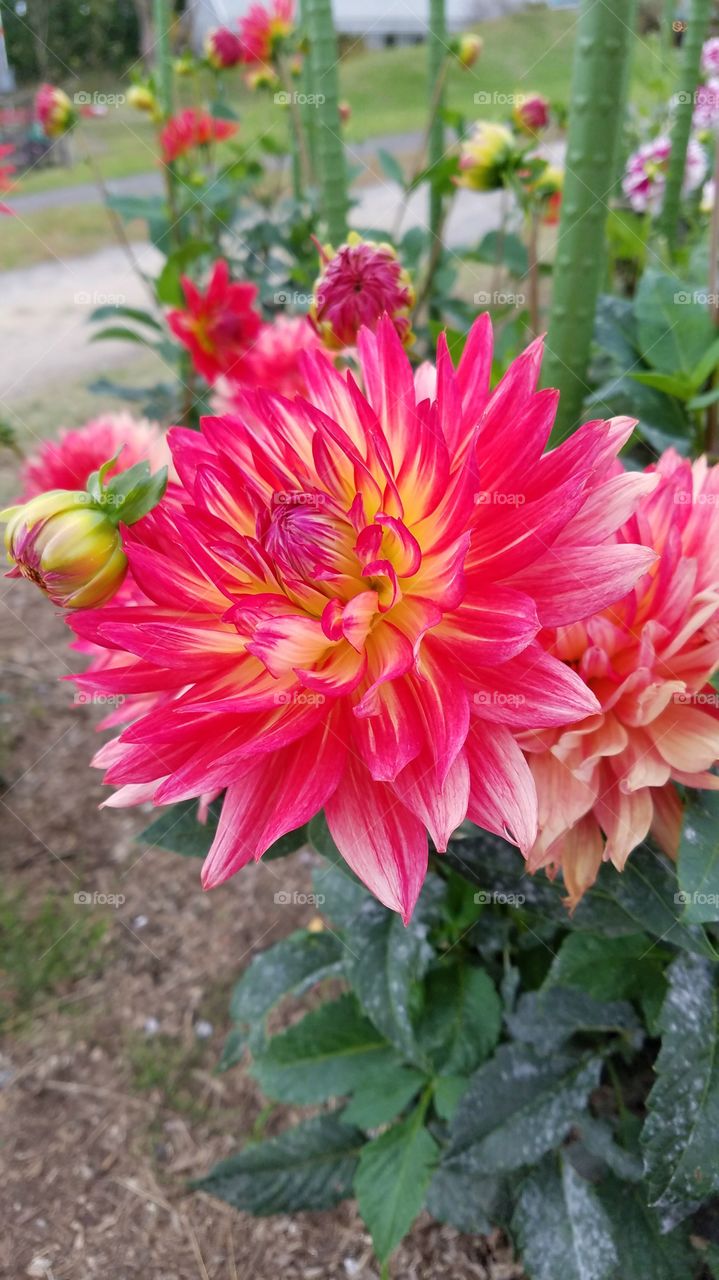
{"x": 684, "y": 110}
{"x": 601, "y": 52}
{"x": 331, "y": 164}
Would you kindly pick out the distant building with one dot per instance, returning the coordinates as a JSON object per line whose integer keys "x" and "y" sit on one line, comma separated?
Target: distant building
{"x": 378, "y": 21}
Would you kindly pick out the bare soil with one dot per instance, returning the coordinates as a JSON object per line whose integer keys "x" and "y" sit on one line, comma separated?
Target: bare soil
{"x": 108, "y": 1096}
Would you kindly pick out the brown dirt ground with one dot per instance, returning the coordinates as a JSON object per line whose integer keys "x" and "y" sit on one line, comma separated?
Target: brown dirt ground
{"x": 100, "y": 1133}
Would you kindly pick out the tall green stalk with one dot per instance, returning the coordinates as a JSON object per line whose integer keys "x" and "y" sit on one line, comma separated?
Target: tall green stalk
{"x": 682, "y": 126}
{"x": 437, "y": 56}
{"x": 162, "y": 17}
{"x": 332, "y": 170}
{"x": 604, "y": 35}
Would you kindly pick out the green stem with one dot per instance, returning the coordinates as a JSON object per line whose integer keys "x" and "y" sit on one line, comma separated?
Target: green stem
{"x": 601, "y": 51}
{"x": 682, "y": 126}
{"x": 301, "y": 164}
{"x": 437, "y": 57}
{"x": 163, "y": 59}
{"x": 330, "y": 148}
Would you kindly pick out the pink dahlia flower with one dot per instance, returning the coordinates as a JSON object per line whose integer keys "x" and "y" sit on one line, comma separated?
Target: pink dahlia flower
{"x": 710, "y": 57}
{"x": 223, "y": 48}
{"x": 345, "y": 609}
{"x": 219, "y": 326}
{"x": 531, "y": 113}
{"x": 274, "y": 361}
{"x": 69, "y": 461}
{"x": 263, "y": 28}
{"x": 645, "y": 176}
{"x": 54, "y": 111}
{"x": 607, "y": 780}
{"x": 358, "y": 283}
{"x": 192, "y": 128}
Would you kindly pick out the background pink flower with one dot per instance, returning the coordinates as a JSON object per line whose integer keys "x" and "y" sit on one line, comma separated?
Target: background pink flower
{"x": 606, "y": 781}
{"x": 68, "y": 461}
{"x": 645, "y": 175}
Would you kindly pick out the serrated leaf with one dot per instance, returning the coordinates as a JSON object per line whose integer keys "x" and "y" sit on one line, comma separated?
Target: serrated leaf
{"x": 548, "y": 1017}
{"x": 609, "y": 968}
{"x": 291, "y": 966}
{"x": 178, "y": 830}
{"x": 308, "y": 1167}
{"x": 518, "y": 1106}
{"x": 679, "y": 1138}
{"x": 644, "y": 1253}
{"x": 392, "y": 1179}
{"x": 461, "y": 1019}
{"x": 698, "y": 865}
{"x": 674, "y": 330}
{"x": 469, "y": 1202}
{"x": 562, "y": 1227}
{"x": 325, "y": 1055}
{"x": 382, "y": 1093}
{"x": 599, "y": 1141}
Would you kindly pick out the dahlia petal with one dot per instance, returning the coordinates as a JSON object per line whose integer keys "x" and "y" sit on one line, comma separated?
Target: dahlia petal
{"x": 490, "y": 626}
{"x": 563, "y": 588}
{"x": 667, "y": 820}
{"x": 625, "y": 818}
{"x": 440, "y": 807}
{"x": 269, "y": 802}
{"x": 687, "y": 738}
{"x": 392, "y": 735}
{"x": 532, "y": 690}
{"x": 562, "y": 800}
{"x": 502, "y": 795}
{"x": 580, "y": 852}
{"x": 383, "y": 843}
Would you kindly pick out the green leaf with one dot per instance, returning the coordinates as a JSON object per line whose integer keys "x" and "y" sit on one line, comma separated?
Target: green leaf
{"x": 142, "y": 497}
{"x": 670, "y": 384}
{"x": 606, "y": 968}
{"x": 506, "y": 249}
{"x": 391, "y": 167}
{"x": 382, "y": 1093}
{"x": 548, "y": 1017}
{"x": 679, "y": 1138}
{"x": 519, "y": 1106}
{"x": 674, "y": 331}
{"x": 461, "y": 1019}
{"x": 293, "y": 965}
{"x": 468, "y": 1201}
{"x": 178, "y": 830}
{"x": 128, "y": 313}
{"x": 698, "y": 866}
{"x": 385, "y": 959}
{"x": 233, "y": 1049}
{"x": 562, "y": 1227}
{"x": 324, "y": 1055}
{"x": 448, "y": 1091}
{"x": 644, "y": 1253}
{"x": 119, "y": 333}
{"x": 308, "y": 1167}
{"x": 168, "y": 286}
{"x": 706, "y": 365}
{"x": 392, "y": 1180}
{"x": 598, "y": 1139}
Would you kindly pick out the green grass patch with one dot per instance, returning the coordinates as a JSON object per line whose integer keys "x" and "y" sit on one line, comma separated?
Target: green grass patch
{"x": 44, "y": 952}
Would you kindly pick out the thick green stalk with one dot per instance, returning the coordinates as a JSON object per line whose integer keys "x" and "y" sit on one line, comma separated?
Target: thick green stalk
{"x": 331, "y": 165}
{"x": 437, "y": 54}
{"x": 682, "y": 127}
{"x": 162, "y": 17}
{"x": 604, "y": 35}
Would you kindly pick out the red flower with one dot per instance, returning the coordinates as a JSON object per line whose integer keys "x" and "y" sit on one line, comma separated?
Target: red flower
{"x": 223, "y": 48}
{"x": 219, "y": 326}
{"x": 192, "y": 128}
{"x": 261, "y": 30}
{"x": 6, "y": 171}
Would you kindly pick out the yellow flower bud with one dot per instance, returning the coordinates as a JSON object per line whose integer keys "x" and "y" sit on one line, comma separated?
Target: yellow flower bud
{"x": 141, "y": 97}
{"x": 65, "y": 543}
{"x": 467, "y": 48}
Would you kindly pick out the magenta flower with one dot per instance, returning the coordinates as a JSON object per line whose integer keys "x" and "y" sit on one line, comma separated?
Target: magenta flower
{"x": 345, "y": 607}
{"x": 645, "y": 176}
{"x": 360, "y": 282}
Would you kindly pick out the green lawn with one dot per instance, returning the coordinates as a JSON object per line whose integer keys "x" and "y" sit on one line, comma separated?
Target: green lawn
{"x": 385, "y": 88}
